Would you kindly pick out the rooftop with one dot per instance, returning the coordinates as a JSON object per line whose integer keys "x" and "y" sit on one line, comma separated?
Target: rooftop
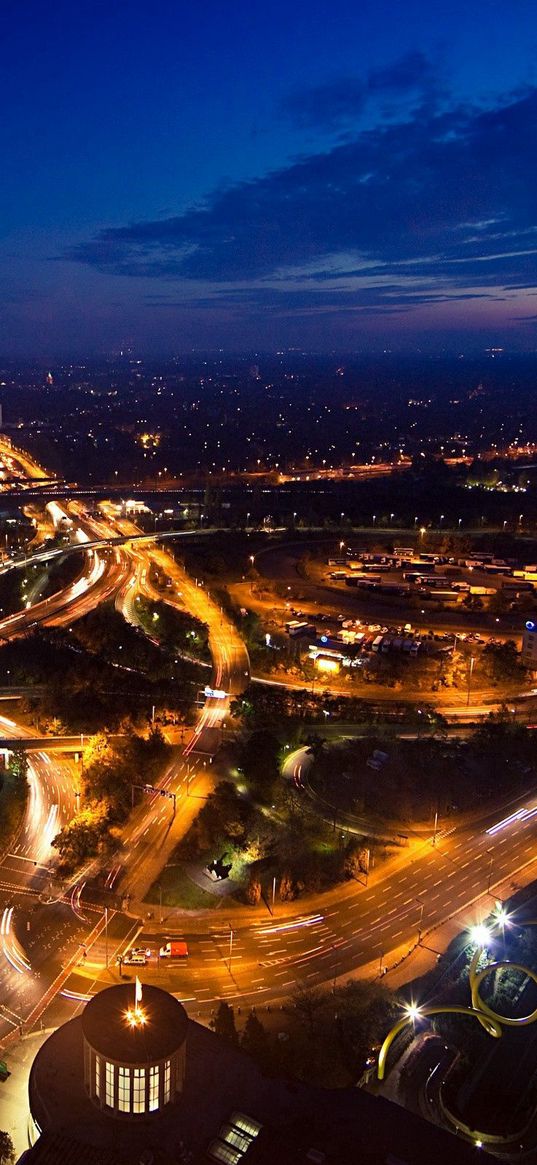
{"x": 161, "y": 1031}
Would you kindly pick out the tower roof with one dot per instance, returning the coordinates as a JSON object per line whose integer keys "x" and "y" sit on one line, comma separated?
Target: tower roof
{"x": 108, "y": 1025}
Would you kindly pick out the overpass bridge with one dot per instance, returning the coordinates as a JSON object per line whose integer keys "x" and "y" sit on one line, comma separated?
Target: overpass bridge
{"x": 47, "y": 743}
{"x": 49, "y": 488}
{"x": 102, "y": 544}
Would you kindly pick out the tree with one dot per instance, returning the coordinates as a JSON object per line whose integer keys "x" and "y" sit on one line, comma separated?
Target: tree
{"x": 306, "y": 1005}
{"x": 316, "y": 745}
{"x": 287, "y": 891}
{"x": 253, "y": 889}
{"x": 260, "y": 763}
{"x": 18, "y": 766}
{"x": 224, "y": 1023}
{"x": 7, "y": 1149}
{"x": 355, "y": 861}
{"x": 503, "y": 660}
{"x": 255, "y": 1040}
{"x": 82, "y": 837}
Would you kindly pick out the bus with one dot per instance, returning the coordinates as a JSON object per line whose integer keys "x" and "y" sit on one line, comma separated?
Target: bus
{"x": 514, "y": 586}
{"x": 427, "y": 580}
{"x": 368, "y": 567}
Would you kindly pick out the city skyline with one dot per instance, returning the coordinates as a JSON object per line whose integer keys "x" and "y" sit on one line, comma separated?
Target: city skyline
{"x": 324, "y": 178}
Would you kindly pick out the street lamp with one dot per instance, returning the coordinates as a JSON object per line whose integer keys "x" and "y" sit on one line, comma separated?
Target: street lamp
{"x": 502, "y": 917}
{"x": 470, "y": 673}
{"x": 421, "y": 905}
{"x": 480, "y": 935}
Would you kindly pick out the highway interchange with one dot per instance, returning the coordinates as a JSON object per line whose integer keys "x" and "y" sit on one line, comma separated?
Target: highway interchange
{"x": 60, "y": 943}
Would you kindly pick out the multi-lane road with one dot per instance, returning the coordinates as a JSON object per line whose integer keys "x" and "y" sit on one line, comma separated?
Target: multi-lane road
{"x": 249, "y": 957}
{"x": 59, "y": 939}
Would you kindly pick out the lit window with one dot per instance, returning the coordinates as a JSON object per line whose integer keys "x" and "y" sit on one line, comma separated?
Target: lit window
{"x": 138, "y": 1090}
{"x": 97, "y": 1077}
{"x": 167, "y": 1081}
{"x": 124, "y": 1090}
{"x": 154, "y": 1074}
{"x": 109, "y": 1095}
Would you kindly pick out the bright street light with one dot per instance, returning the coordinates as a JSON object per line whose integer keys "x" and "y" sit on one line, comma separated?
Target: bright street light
{"x": 413, "y": 1011}
{"x": 501, "y": 915}
{"x": 480, "y": 935}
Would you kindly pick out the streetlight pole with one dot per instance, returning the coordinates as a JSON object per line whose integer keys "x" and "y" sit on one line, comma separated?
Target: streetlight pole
{"x": 435, "y": 827}
{"x": 470, "y": 671}
{"x": 421, "y": 905}
{"x": 230, "y": 944}
{"x": 273, "y": 892}
{"x": 106, "y": 936}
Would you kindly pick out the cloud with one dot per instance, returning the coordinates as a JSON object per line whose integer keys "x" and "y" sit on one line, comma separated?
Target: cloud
{"x": 338, "y": 102}
{"x": 328, "y": 105}
{"x": 445, "y": 198}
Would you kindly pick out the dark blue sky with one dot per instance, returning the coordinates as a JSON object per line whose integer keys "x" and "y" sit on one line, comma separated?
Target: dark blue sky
{"x": 315, "y": 174}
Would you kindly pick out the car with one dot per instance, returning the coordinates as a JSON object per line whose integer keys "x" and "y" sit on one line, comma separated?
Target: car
{"x": 141, "y": 951}
{"x": 130, "y": 959}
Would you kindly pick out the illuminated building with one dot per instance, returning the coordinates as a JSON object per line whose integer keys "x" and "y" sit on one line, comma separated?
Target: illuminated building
{"x": 132, "y": 1054}
{"x": 134, "y": 1051}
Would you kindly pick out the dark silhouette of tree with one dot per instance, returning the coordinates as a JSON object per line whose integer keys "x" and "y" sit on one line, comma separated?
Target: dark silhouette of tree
{"x": 224, "y": 1023}
{"x": 255, "y": 1040}
{"x": 7, "y": 1149}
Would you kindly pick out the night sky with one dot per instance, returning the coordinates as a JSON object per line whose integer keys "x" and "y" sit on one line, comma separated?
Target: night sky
{"x": 326, "y": 175}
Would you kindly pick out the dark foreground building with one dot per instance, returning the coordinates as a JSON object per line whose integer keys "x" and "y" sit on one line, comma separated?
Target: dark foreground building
{"x": 133, "y": 1081}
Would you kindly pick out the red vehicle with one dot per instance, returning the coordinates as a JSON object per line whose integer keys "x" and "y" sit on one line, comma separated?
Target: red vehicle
{"x": 174, "y": 950}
